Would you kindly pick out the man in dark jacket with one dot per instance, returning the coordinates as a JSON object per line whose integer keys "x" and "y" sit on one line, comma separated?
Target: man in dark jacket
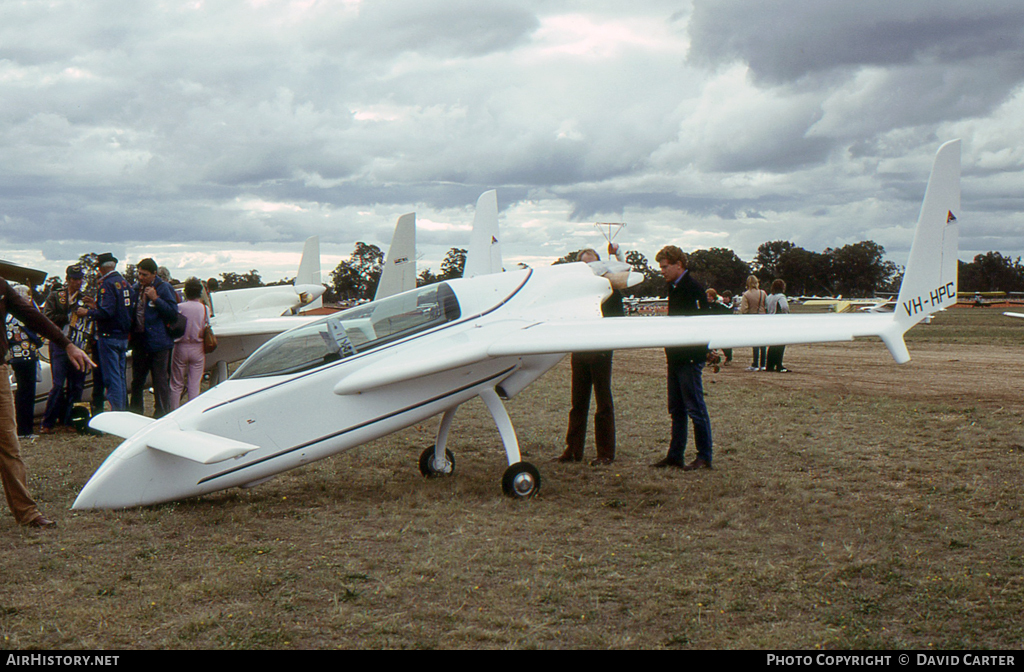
{"x": 685, "y": 388}
{"x": 12, "y": 469}
{"x": 156, "y": 306}
{"x": 112, "y": 314}
{"x": 66, "y": 308}
{"x": 593, "y": 371}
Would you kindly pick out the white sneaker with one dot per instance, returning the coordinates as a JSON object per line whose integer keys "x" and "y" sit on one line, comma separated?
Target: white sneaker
{"x": 751, "y": 368}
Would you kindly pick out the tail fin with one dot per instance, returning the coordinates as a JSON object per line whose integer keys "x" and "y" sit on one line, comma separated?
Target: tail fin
{"x": 930, "y": 278}
{"x": 309, "y": 268}
{"x": 399, "y": 274}
{"x": 484, "y": 255}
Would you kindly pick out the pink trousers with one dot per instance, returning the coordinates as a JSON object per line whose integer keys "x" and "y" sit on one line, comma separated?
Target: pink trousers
{"x": 188, "y": 360}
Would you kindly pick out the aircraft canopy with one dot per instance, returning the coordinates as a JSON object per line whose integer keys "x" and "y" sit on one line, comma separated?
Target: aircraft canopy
{"x": 353, "y": 331}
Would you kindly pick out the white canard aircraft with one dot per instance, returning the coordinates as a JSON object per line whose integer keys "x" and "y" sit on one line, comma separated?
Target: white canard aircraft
{"x": 361, "y": 374}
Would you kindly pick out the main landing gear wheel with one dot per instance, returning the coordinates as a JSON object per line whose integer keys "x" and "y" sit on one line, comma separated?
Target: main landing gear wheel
{"x": 429, "y": 468}
{"x": 521, "y": 480}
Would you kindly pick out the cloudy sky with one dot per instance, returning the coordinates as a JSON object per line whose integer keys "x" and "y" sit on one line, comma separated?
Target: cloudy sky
{"x": 217, "y": 136}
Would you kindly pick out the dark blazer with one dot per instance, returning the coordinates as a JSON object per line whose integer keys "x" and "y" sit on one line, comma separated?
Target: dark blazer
{"x": 157, "y": 314}
{"x": 687, "y": 297}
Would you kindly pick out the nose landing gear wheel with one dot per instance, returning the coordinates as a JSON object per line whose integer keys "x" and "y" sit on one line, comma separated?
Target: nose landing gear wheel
{"x": 521, "y": 480}
{"x": 429, "y": 466}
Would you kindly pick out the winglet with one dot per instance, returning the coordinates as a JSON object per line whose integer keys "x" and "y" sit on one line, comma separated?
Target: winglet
{"x": 484, "y": 254}
{"x": 201, "y": 447}
{"x": 930, "y": 279}
{"x": 119, "y": 423}
{"x": 194, "y": 445}
{"x": 309, "y": 268}
{"x": 399, "y": 274}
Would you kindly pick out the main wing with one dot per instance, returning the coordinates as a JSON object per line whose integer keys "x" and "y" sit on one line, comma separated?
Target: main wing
{"x": 712, "y": 331}
{"x": 521, "y": 338}
{"x": 546, "y": 314}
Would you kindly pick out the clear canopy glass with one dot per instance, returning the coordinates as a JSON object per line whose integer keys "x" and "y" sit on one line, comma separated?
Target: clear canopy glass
{"x": 353, "y": 331}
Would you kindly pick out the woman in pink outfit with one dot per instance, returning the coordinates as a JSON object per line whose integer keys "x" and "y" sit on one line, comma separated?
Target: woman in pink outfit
{"x": 189, "y": 358}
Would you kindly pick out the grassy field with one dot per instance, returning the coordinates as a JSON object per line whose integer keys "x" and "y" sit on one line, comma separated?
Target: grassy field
{"x": 854, "y": 504}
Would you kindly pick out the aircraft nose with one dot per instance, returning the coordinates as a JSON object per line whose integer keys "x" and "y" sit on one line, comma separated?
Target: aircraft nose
{"x": 119, "y": 482}
{"x": 91, "y": 495}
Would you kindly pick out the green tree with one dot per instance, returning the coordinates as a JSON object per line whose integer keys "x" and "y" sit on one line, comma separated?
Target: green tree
{"x": 239, "y": 280}
{"x": 453, "y": 264}
{"x": 806, "y": 273}
{"x": 719, "y": 268}
{"x": 426, "y": 277}
{"x": 357, "y": 277}
{"x": 860, "y": 269}
{"x": 653, "y": 284}
{"x": 766, "y": 262}
{"x": 991, "y": 272}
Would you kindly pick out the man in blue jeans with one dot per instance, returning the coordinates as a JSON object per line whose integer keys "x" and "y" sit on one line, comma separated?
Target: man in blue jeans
{"x": 112, "y": 313}
{"x": 685, "y": 365}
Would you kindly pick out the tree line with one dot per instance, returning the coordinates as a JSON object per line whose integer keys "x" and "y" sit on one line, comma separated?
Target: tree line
{"x": 855, "y": 270}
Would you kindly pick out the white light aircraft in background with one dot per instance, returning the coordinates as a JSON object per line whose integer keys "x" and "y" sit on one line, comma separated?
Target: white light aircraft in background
{"x": 399, "y": 272}
{"x": 361, "y": 374}
{"x": 245, "y": 319}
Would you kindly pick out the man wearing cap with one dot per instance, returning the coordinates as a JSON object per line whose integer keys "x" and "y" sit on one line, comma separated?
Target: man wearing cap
{"x": 151, "y": 344}
{"x": 67, "y": 310}
{"x": 12, "y": 469}
{"x": 112, "y": 314}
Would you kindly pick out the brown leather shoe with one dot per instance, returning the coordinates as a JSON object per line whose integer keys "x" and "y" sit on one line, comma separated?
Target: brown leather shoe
{"x": 697, "y": 464}
{"x": 47, "y": 430}
{"x": 668, "y": 462}
{"x": 41, "y": 522}
{"x": 602, "y": 462}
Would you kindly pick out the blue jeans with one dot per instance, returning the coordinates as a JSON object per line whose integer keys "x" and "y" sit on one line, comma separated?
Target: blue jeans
{"x": 65, "y": 390}
{"x": 113, "y": 354}
{"x": 686, "y": 402}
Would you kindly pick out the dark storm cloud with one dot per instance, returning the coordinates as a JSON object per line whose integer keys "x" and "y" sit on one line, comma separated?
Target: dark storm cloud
{"x": 786, "y": 40}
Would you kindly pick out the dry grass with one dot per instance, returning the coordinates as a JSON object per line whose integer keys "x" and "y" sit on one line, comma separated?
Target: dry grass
{"x": 854, "y": 504}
